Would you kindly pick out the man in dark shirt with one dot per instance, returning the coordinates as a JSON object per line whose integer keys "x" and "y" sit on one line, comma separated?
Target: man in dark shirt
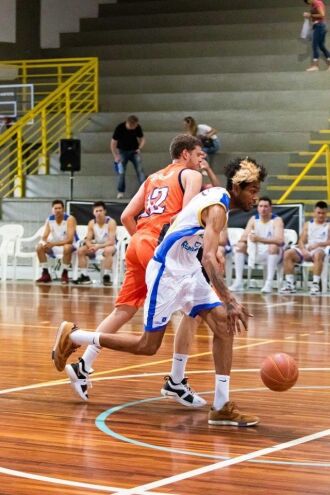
{"x": 126, "y": 144}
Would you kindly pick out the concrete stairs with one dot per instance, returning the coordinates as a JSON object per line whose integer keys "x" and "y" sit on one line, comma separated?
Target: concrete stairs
{"x": 236, "y": 65}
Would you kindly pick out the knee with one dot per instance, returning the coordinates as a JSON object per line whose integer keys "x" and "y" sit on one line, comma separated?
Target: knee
{"x": 67, "y": 249}
{"x": 147, "y": 348}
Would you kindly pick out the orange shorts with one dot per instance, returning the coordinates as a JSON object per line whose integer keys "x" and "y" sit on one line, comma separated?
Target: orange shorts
{"x": 138, "y": 254}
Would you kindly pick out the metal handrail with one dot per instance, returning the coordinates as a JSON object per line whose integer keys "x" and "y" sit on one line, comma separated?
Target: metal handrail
{"x": 321, "y": 151}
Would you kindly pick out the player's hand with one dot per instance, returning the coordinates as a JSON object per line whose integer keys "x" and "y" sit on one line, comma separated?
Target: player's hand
{"x": 253, "y": 238}
{"x": 237, "y": 316}
{"x": 307, "y": 15}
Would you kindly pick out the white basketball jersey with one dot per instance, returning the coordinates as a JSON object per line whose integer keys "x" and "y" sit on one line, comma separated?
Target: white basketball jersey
{"x": 101, "y": 234}
{"x": 58, "y": 231}
{"x": 265, "y": 230}
{"x": 184, "y": 238}
{"x": 317, "y": 232}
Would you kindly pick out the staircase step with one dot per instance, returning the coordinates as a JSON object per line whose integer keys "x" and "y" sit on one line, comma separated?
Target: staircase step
{"x": 293, "y": 177}
{"x": 298, "y": 188}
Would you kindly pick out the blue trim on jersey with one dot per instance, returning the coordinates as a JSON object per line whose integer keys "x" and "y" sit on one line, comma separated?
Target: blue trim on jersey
{"x": 225, "y": 200}
{"x": 170, "y": 239}
{"x": 257, "y": 216}
{"x": 202, "y": 307}
{"x": 156, "y": 329}
{"x": 51, "y": 217}
{"x": 153, "y": 298}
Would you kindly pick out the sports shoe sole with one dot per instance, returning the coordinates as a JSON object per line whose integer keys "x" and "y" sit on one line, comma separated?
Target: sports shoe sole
{"x": 226, "y": 422}
{"x": 167, "y": 393}
{"x": 57, "y": 339}
{"x": 74, "y": 381}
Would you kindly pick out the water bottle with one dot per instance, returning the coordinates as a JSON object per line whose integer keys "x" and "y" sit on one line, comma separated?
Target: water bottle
{"x": 118, "y": 167}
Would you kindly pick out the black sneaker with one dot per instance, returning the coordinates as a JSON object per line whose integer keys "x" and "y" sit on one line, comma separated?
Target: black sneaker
{"x": 83, "y": 280}
{"x": 107, "y": 280}
{"x": 79, "y": 378}
{"x": 181, "y": 392}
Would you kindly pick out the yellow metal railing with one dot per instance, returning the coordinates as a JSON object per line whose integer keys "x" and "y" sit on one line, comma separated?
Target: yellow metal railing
{"x": 323, "y": 150}
{"x": 26, "y": 146}
{"x": 46, "y": 75}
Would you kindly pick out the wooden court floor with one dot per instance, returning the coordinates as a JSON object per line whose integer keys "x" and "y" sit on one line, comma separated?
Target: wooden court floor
{"x": 128, "y": 439}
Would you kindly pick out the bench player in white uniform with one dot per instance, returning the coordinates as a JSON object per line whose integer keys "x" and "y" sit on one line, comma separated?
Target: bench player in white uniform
{"x": 57, "y": 241}
{"x": 100, "y": 242}
{"x": 175, "y": 281}
{"x": 263, "y": 241}
{"x": 313, "y": 245}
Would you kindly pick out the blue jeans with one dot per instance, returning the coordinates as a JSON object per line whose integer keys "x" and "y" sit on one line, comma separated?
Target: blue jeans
{"x": 318, "y": 40}
{"x": 213, "y": 148}
{"x": 134, "y": 157}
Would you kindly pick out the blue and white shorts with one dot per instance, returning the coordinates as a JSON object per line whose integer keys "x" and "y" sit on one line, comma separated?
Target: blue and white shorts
{"x": 169, "y": 292}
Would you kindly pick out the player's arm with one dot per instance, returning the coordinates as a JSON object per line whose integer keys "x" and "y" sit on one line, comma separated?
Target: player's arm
{"x": 214, "y": 219}
{"x": 112, "y": 233}
{"x": 90, "y": 234}
{"x": 134, "y": 207}
{"x": 250, "y": 226}
{"x": 142, "y": 142}
{"x": 192, "y": 184}
{"x": 278, "y": 237}
{"x": 303, "y": 238}
{"x": 223, "y": 238}
{"x": 205, "y": 166}
{"x": 45, "y": 234}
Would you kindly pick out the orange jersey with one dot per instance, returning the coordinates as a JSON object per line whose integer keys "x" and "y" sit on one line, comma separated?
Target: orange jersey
{"x": 163, "y": 199}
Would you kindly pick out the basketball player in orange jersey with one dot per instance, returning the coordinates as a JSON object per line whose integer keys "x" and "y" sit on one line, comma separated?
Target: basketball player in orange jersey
{"x": 160, "y": 198}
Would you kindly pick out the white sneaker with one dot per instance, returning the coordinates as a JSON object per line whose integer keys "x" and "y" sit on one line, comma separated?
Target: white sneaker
{"x": 181, "y": 392}
{"x": 120, "y": 195}
{"x": 313, "y": 68}
{"x": 315, "y": 289}
{"x": 268, "y": 287}
{"x": 287, "y": 288}
{"x": 237, "y": 287}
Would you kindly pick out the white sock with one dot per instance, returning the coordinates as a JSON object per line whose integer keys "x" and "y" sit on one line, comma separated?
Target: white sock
{"x": 107, "y": 272}
{"x": 221, "y": 393}
{"x": 81, "y": 337}
{"x": 89, "y": 356}
{"x": 290, "y": 278}
{"x": 239, "y": 266}
{"x": 84, "y": 272}
{"x": 316, "y": 279}
{"x": 272, "y": 262}
{"x": 44, "y": 265}
{"x": 179, "y": 362}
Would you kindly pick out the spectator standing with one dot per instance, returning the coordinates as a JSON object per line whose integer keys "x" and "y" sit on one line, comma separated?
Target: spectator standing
{"x": 126, "y": 145}
{"x": 206, "y": 134}
{"x": 317, "y": 15}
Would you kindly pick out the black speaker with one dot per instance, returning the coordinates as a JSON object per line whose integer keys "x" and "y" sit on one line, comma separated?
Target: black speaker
{"x": 70, "y": 155}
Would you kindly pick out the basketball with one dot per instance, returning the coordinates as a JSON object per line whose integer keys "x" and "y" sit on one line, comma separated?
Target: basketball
{"x": 279, "y": 372}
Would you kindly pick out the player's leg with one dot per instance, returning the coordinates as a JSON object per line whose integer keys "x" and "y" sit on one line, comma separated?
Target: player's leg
{"x": 83, "y": 277}
{"x": 108, "y": 253}
{"x": 272, "y": 259}
{"x": 291, "y": 258}
{"x": 42, "y": 257}
{"x": 239, "y": 260}
{"x": 224, "y": 411}
{"x": 176, "y": 384}
{"x": 318, "y": 260}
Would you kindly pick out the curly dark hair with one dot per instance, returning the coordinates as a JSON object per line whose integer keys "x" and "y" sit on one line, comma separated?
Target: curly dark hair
{"x": 234, "y": 165}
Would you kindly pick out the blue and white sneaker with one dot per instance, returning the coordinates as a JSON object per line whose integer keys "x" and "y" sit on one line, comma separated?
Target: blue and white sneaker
{"x": 181, "y": 392}
{"x": 79, "y": 378}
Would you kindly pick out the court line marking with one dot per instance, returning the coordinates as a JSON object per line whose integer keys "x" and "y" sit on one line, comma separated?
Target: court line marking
{"x": 77, "y": 484}
{"x": 222, "y": 464}
{"x": 125, "y": 368}
{"x": 100, "y": 422}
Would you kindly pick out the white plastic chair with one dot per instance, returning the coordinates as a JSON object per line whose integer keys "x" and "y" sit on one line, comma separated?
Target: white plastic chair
{"x": 10, "y": 234}
{"x": 234, "y": 235}
{"x": 29, "y": 254}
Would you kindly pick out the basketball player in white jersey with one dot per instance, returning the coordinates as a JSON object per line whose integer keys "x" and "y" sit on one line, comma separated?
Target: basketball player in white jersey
{"x": 262, "y": 240}
{"x": 313, "y": 245}
{"x": 57, "y": 240}
{"x": 100, "y": 242}
{"x": 175, "y": 282}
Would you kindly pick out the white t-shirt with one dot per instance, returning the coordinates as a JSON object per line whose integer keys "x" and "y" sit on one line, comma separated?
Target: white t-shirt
{"x": 203, "y": 129}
